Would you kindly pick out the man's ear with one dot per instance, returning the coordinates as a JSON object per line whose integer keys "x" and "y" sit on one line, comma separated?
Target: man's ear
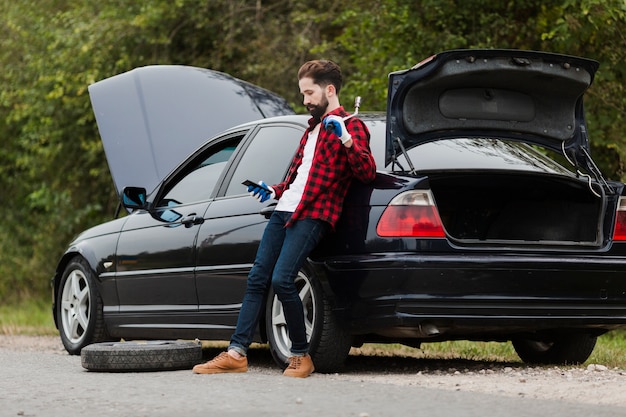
{"x": 331, "y": 90}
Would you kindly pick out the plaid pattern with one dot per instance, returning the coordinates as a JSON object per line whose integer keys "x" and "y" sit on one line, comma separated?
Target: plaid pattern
{"x": 332, "y": 171}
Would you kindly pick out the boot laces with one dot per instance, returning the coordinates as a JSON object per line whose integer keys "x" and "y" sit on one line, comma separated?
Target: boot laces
{"x": 219, "y": 357}
{"x": 294, "y": 362}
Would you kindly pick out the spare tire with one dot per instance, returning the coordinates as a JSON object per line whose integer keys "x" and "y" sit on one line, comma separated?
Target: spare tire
{"x": 154, "y": 355}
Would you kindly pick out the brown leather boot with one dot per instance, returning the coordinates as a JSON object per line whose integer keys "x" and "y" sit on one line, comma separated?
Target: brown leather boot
{"x": 221, "y": 364}
{"x": 299, "y": 366}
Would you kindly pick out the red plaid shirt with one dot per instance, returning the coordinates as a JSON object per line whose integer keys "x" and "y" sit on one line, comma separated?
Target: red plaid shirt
{"x": 332, "y": 170}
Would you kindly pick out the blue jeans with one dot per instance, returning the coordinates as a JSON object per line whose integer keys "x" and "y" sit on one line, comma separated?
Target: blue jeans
{"x": 281, "y": 254}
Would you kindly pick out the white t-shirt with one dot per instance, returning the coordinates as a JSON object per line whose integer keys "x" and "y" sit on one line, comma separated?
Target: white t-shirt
{"x": 292, "y": 195}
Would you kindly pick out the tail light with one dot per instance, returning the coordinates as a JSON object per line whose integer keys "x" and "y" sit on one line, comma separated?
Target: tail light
{"x": 411, "y": 214}
{"x": 619, "y": 233}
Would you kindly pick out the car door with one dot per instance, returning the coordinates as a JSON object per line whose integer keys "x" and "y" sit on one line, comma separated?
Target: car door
{"x": 157, "y": 249}
{"x": 230, "y": 235}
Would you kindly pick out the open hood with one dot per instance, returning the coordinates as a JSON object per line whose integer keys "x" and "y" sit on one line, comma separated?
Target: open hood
{"x": 153, "y": 117}
{"x": 535, "y": 97}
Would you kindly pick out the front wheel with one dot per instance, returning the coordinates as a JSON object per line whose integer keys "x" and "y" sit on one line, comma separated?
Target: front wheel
{"x": 329, "y": 342}
{"x": 567, "y": 349}
{"x": 79, "y": 308}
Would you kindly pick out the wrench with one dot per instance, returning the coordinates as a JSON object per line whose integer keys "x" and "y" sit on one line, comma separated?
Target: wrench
{"x": 357, "y": 104}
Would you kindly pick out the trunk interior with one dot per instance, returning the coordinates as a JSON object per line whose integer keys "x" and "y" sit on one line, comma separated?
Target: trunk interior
{"x": 518, "y": 209}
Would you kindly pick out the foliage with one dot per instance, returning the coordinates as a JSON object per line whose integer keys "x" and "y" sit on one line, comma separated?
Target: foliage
{"x": 53, "y": 170}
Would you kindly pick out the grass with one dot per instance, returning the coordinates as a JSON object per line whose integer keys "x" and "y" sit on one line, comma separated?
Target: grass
{"x": 610, "y": 351}
{"x": 35, "y": 318}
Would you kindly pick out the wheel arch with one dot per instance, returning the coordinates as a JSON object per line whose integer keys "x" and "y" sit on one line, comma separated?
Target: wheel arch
{"x": 317, "y": 267}
{"x": 68, "y": 256}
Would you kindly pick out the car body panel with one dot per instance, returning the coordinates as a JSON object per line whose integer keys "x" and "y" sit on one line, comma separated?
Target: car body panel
{"x": 531, "y": 96}
{"x": 151, "y": 253}
{"x": 151, "y": 118}
{"x": 484, "y": 294}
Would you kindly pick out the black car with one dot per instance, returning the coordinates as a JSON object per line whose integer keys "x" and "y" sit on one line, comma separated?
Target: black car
{"x": 488, "y": 219}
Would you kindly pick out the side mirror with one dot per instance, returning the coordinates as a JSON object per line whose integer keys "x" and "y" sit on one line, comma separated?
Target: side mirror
{"x": 134, "y": 198}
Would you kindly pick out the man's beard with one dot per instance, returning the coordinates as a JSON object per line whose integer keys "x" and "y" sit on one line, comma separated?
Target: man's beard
{"x": 318, "y": 110}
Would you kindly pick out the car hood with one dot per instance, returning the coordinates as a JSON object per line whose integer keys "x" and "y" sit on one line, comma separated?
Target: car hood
{"x": 535, "y": 97}
{"x": 152, "y": 117}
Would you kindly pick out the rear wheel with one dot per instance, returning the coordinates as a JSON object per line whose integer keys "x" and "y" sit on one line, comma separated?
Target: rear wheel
{"x": 564, "y": 349}
{"x": 79, "y": 308}
{"x": 329, "y": 342}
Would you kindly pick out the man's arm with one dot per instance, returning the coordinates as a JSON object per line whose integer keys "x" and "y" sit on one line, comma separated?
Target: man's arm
{"x": 359, "y": 154}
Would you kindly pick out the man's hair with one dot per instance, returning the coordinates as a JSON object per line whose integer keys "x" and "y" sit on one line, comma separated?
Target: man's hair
{"x": 322, "y": 72}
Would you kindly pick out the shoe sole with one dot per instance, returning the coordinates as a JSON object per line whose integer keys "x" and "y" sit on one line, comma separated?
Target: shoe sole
{"x": 220, "y": 371}
{"x": 299, "y": 374}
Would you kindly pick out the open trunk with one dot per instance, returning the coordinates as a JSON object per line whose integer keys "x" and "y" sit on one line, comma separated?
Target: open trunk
{"x": 530, "y": 210}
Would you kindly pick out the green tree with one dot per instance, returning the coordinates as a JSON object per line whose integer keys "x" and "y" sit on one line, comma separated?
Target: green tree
{"x": 57, "y": 175}
{"x": 53, "y": 173}
{"x": 597, "y": 29}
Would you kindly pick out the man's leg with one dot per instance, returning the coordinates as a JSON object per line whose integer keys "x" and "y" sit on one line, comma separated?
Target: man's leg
{"x": 258, "y": 281}
{"x": 300, "y": 239}
{"x": 234, "y": 360}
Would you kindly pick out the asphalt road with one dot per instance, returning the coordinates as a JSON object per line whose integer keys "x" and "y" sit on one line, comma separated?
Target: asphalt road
{"x": 37, "y": 382}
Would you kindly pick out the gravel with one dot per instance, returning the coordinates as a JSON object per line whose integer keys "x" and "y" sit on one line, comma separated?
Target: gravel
{"x": 589, "y": 384}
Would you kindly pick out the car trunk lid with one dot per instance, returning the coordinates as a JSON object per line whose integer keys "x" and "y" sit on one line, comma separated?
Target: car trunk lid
{"x": 535, "y": 97}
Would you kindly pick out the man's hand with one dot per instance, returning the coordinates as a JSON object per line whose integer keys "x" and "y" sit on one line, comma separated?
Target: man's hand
{"x": 337, "y": 125}
{"x": 262, "y": 193}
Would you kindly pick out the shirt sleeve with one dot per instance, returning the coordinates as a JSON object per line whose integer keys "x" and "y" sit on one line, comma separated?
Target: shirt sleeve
{"x": 359, "y": 154}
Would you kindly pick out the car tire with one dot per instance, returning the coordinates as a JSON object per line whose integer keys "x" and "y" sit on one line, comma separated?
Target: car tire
{"x": 329, "y": 342}
{"x": 157, "y": 355}
{"x": 567, "y": 349}
{"x": 79, "y": 308}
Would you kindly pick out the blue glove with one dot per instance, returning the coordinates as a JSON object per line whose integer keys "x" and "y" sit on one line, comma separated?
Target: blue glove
{"x": 337, "y": 125}
{"x": 262, "y": 193}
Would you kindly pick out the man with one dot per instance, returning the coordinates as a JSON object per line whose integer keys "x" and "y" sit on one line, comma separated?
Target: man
{"x": 331, "y": 153}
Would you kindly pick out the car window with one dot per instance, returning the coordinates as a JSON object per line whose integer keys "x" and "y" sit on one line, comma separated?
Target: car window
{"x": 377, "y": 141}
{"x": 201, "y": 176}
{"x": 267, "y": 157}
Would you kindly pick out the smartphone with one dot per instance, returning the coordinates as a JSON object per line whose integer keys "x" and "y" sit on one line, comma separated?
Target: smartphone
{"x": 248, "y": 183}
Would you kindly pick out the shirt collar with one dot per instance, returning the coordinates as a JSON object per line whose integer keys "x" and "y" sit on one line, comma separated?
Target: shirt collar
{"x": 339, "y": 111}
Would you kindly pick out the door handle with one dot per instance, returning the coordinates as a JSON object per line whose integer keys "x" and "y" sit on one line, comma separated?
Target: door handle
{"x": 192, "y": 220}
{"x": 267, "y": 211}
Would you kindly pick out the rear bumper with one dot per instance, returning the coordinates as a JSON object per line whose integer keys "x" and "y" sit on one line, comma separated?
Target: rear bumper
{"x": 486, "y": 296}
